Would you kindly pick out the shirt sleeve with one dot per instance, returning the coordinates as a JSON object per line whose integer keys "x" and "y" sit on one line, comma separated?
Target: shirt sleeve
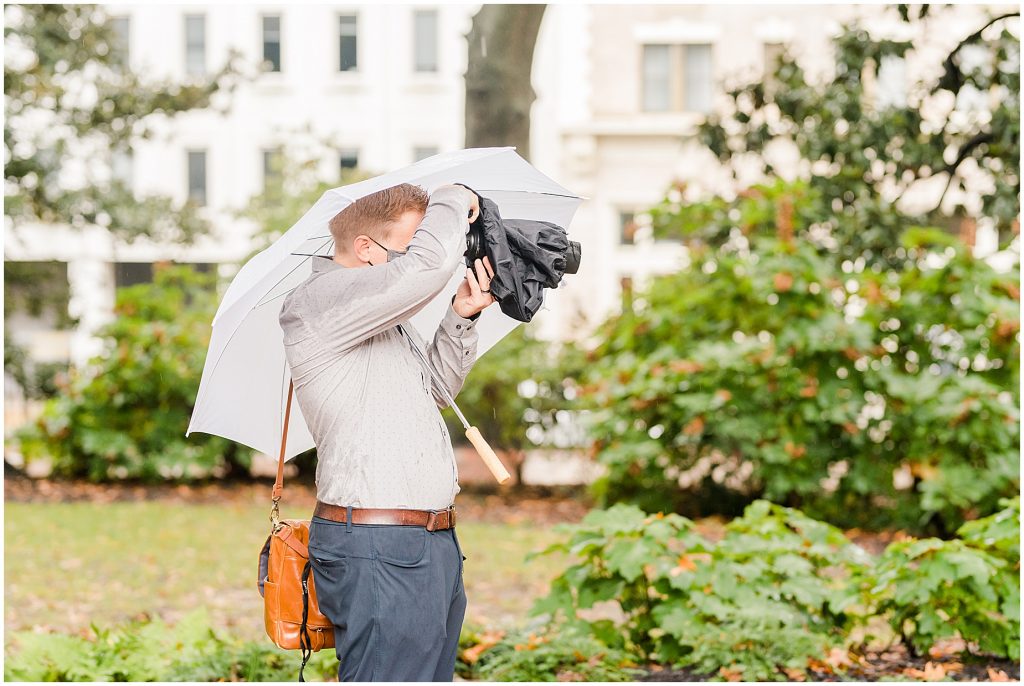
{"x": 356, "y": 304}
{"x": 452, "y": 353}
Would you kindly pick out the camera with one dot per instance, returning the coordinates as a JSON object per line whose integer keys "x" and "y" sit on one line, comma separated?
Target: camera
{"x": 475, "y": 247}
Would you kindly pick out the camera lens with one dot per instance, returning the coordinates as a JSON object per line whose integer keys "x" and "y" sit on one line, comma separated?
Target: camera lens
{"x": 572, "y": 258}
{"x": 474, "y": 243}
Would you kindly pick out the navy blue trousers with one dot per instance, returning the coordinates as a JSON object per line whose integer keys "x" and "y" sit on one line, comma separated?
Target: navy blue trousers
{"x": 395, "y": 596}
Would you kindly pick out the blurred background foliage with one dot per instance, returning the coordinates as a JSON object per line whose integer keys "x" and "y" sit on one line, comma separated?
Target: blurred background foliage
{"x": 828, "y": 348}
{"x": 123, "y": 416}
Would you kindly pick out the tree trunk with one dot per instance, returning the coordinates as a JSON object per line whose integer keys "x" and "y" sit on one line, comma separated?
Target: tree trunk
{"x": 499, "y": 93}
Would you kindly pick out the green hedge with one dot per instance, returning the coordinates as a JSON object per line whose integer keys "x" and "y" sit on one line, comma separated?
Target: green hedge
{"x": 125, "y": 415}
{"x": 780, "y": 590}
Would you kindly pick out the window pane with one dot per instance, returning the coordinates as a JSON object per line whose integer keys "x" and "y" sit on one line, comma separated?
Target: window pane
{"x": 657, "y": 94}
{"x": 349, "y": 158}
{"x": 698, "y": 78}
{"x": 122, "y": 40}
{"x": 627, "y": 227}
{"x": 271, "y": 166}
{"x": 347, "y": 42}
{"x": 197, "y": 176}
{"x": 425, "y": 39}
{"x": 195, "y": 44}
{"x": 132, "y": 273}
{"x": 422, "y": 153}
{"x": 272, "y": 42}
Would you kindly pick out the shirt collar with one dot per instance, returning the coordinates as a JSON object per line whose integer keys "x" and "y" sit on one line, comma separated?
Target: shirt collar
{"x": 323, "y": 263}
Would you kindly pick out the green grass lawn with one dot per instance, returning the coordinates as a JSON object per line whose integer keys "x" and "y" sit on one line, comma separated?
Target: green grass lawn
{"x": 69, "y": 564}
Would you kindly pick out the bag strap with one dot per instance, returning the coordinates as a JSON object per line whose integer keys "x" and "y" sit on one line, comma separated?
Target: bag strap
{"x": 304, "y": 643}
{"x": 275, "y": 513}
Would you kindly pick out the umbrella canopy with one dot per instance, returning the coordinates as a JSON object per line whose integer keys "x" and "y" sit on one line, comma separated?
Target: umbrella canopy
{"x": 244, "y": 387}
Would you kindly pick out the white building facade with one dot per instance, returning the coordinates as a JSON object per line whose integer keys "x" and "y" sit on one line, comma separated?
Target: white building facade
{"x": 621, "y": 90}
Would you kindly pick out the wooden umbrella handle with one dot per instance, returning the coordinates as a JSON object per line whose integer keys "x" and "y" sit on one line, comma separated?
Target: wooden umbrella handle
{"x": 489, "y": 458}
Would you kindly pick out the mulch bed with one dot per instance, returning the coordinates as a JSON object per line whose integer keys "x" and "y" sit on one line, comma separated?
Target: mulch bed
{"x": 943, "y": 664}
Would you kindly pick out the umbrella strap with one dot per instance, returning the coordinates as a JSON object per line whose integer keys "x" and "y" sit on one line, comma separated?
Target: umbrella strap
{"x": 279, "y": 482}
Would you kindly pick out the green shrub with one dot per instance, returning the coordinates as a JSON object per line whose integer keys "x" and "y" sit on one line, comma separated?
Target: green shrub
{"x": 149, "y": 650}
{"x": 931, "y": 589}
{"x": 555, "y": 655}
{"x": 779, "y": 591}
{"x": 777, "y": 391}
{"x": 124, "y": 417}
{"x": 690, "y": 602}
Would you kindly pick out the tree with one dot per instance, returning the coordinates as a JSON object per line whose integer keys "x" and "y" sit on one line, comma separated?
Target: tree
{"x": 70, "y": 101}
{"x": 864, "y": 157}
{"x": 498, "y": 89}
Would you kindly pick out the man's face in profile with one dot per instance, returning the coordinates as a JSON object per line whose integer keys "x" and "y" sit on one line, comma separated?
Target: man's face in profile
{"x": 367, "y": 251}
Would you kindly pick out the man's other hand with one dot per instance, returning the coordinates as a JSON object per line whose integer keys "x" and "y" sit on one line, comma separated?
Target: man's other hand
{"x": 471, "y": 298}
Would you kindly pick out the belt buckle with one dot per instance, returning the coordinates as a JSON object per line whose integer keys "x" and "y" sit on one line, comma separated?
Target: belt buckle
{"x": 432, "y": 517}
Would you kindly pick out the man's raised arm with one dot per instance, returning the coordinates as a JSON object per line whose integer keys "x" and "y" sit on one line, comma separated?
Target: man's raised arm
{"x": 356, "y": 304}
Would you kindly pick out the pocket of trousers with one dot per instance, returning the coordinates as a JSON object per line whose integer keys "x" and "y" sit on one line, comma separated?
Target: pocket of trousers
{"x": 402, "y": 546}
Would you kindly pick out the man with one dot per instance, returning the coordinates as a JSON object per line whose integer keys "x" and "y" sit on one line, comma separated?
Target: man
{"x": 386, "y": 563}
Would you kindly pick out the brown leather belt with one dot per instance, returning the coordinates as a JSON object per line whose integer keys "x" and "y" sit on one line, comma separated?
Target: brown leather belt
{"x": 433, "y": 520}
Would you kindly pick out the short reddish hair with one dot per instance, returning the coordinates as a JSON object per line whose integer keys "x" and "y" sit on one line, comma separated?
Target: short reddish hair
{"x": 374, "y": 214}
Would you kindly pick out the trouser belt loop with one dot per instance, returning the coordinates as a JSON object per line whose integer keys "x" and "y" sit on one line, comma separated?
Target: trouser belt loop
{"x": 348, "y": 519}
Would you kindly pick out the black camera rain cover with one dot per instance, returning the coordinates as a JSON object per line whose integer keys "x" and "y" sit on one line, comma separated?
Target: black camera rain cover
{"x": 527, "y": 256}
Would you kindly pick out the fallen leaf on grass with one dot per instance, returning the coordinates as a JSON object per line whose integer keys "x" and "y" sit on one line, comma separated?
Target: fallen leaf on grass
{"x": 795, "y": 674}
{"x": 487, "y": 640}
{"x": 933, "y": 671}
{"x": 838, "y": 657}
{"x": 997, "y": 675}
{"x": 730, "y": 674}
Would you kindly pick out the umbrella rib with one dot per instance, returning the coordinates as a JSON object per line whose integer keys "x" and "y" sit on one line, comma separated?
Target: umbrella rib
{"x": 290, "y": 272}
{"x": 228, "y": 342}
{"x": 556, "y": 195}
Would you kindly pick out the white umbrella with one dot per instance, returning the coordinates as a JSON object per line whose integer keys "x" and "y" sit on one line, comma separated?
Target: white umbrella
{"x": 245, "y": 387}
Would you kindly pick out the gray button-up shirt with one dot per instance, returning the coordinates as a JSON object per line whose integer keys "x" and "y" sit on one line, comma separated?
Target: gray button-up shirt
{"x": 371, "y": 407}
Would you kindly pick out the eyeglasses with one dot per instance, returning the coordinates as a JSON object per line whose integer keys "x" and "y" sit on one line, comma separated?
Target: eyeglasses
{"x": 389, "y": 250}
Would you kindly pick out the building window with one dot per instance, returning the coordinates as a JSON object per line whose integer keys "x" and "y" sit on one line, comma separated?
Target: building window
{"x": 697, "y": 83}
{"x": 132, "y": 273}
{"x": 657, "y": 78}
{"x": 677, "y": 78}
{"x": 197, "y": 176}
{"x": 348, "y": 42}
{"x": 627, "y": 228}
{"x": 425, "y": 40}
{"x": 272, "y": 42}
{"x": 195, "y": 44}
{"x": 272, "y": 160}
{"x": 121, "y": 48}
{"x": 348, "y": 158}
{"x": 422, "y": 153}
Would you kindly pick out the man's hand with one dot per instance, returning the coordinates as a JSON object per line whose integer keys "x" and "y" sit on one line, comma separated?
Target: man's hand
{"x": 471, "y": 298}
{"x": 474, "y": 202}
